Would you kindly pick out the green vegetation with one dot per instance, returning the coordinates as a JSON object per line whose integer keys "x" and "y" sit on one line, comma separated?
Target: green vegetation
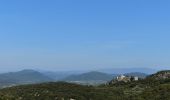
{"x": 51, "y": 91}
{"x": 150, "y": 88}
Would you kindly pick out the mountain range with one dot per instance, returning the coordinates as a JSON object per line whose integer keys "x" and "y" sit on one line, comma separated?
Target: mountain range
{"x": 32, "y": 76}
{"x": 128, "y": 70}
{"x": 92, "y": 78}
{"x": 22, "y": 77}
{"x": 153, "y": 87}
{"x": 59, "y": 75}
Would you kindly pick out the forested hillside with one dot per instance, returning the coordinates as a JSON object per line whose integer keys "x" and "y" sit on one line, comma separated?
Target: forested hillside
{"x": 151, "y": 88}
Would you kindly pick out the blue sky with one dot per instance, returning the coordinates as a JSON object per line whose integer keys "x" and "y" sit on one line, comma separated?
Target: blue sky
{"x": 84, "y": 34}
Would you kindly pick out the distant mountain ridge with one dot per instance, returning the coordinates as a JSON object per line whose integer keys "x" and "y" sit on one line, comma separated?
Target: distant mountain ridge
{"x": 58, "y": 75}
{"x": 128, "y": 70}
{"x": 90, "y": 78}
{"x": 144, "y": 89}
{"x": 22, "y": 77}
{"x": 32, "y": 76}
{"x": 93, "y": 75}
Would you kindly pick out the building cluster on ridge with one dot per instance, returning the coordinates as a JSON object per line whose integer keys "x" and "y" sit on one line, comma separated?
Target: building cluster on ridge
{"x": 126, "y": 78}
{"x": 123, "y": 78}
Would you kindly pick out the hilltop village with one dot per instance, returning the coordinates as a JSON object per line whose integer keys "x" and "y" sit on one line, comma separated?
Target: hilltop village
{"x": 124, "y": 78}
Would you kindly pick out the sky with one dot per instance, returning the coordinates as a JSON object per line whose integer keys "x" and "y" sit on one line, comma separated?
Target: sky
{"x": 84, "y": 34}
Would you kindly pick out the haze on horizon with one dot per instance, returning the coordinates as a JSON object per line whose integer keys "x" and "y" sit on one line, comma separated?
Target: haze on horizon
{"x": 81, "y": 35}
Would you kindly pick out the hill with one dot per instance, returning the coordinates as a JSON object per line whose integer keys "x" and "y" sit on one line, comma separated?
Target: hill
{"x": 22, "y": 77}
{"x": 149, "y": 88}
{"x": 153, "y": 87}
{"x": 58, "y": 91}
{"x": 93, "y": 77}
{"x": 59, "y": 75}
{"x": 165, "y": 74}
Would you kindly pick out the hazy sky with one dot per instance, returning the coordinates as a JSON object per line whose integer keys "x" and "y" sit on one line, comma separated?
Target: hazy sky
{"x": 84, "y": 34}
